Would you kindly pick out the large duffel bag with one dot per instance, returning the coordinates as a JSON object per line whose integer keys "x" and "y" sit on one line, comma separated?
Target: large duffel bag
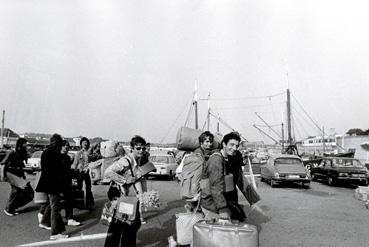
{"x": 188, "y": 139}
{"x": 224, "y": 233}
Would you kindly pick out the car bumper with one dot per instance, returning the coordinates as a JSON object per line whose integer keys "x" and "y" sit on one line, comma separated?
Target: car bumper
{"x": 286, "y": 179}
{"x": 352, "y": 180}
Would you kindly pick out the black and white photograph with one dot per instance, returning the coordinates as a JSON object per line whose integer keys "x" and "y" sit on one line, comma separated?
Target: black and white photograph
{"x": 198, "y": 123}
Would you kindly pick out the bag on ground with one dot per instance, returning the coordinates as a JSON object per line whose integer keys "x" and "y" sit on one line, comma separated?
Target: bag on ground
{"x": 362, "y": 193}
{"x": 184, "y": 226}
{"x": 220, "y": 233}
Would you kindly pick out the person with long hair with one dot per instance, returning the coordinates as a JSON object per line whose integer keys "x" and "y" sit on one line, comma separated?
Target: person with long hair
{"x": 80, "y": 163}
{"x": 14, "y": 164}
{"x": 52, "y": 183}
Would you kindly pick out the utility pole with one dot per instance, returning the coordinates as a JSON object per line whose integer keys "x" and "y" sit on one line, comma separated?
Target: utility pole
{"x": 289, "y": 133}
{"x": 2, "y": 129}
{"x": 218, "y": 129}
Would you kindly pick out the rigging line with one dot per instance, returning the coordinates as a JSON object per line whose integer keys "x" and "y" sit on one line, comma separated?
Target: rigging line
{"x": 300, "y": 124}
{"x": 303, "y": 117}
{"x": 307, "y": 113}
{"x": 271, "y": 125}
{"x": 175, "y": 121}
{"x": 246, "y": 98}
{"x": 225, "y": 123}
{"x": 296, "y": 128}
{"x": 189, "y": 114}
{"x": 248, "y": 107}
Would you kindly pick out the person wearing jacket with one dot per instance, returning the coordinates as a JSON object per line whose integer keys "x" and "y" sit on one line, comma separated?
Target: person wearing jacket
{"x": 80, "y": 163}
{"x": 52, "y": 183}
{"x": 216, "y": 202}
{"x": 14, "y": 163}
{"x": 206, "y": 140}
{"x": 68, "y": 205}
{"x": 125, "y": 176}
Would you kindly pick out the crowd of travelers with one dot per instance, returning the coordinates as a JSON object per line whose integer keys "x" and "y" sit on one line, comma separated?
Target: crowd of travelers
{"x": 215, "y": 200}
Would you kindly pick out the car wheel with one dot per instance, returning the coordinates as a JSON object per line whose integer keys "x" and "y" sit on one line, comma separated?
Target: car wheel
{"x": 306, "y": 185}
{"x": 313, "y": 177}
{"x": 330, "y": 181}
{"x": 365, "y": 183}
{"x": 261, "y": 179}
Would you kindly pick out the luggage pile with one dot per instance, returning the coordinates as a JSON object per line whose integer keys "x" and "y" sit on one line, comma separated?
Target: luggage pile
{"x": 109, "y": 154}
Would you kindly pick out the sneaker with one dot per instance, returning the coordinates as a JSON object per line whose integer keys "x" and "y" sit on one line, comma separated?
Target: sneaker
{"x": 44, "y": 227}
{"x": 72, "y": 222}
{"x": 39, "y": 217}
{"x": 10, "y": 213}
{"x": 58, "y": 236}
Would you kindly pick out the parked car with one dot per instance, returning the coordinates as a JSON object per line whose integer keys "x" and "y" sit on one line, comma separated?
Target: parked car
{"x": 33, "y": 163}
{"x": 284, "y": 168}
{"x": 340, "y": 169}
{"x": 165, "y": 165}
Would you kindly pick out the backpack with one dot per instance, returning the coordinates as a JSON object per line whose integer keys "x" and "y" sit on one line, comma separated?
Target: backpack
{"x": 190, "y": 176}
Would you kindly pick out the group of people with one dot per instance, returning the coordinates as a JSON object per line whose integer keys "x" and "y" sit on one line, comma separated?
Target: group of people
{"x": 216, "y": 201}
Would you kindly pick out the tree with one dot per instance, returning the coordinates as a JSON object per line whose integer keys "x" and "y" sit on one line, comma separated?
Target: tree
{"x": 356, "y": 132}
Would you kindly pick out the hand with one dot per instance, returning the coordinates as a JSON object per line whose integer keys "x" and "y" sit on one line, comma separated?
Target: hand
{"x": 225, "y": 213}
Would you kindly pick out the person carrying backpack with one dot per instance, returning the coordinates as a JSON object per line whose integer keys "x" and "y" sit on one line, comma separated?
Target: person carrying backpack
{"x": 192, "y": 167}
{"x": 14, "y": 164}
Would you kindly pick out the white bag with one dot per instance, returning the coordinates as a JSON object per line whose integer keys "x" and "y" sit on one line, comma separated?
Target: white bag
{"x": 107, "y": 149}
{"x": 184, "y": 226}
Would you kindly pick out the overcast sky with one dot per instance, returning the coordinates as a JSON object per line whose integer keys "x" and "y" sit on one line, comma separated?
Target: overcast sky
{"x": 118, "y": 68}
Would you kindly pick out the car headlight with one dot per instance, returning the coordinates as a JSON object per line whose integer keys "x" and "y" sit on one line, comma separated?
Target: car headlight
{"x": 276, "y": 175}
{"x": 343, "y": 174}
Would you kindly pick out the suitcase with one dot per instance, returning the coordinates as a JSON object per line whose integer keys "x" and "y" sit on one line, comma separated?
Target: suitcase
{"x": 223, "y": 233}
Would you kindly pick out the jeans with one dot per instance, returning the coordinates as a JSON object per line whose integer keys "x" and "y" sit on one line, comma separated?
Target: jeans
{"x": 11, "y": 205}
{"x": 51, "y": 216}
{"x": 88, "y": 187}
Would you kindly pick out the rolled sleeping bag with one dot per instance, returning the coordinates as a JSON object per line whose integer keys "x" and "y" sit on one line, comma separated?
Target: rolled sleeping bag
{"x": 188, "y": 139}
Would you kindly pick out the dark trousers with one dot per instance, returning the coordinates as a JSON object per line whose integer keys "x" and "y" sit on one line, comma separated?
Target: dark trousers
{"x": 51, "y": 214}
{"x": 88, "y": 187}
{"x": 68, "y": 205}
{"x": 11, "y": 205}
{"x": 122, "y": 234}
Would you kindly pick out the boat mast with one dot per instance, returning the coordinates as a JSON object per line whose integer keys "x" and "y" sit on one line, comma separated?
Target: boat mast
{"x": 208, "y": 116}
{"x": 289, "y": 133}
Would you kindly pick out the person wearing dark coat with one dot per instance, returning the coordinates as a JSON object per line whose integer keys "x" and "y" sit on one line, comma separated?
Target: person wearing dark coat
{"x": 14, "y": 163}
{"x": 52, "y": 183}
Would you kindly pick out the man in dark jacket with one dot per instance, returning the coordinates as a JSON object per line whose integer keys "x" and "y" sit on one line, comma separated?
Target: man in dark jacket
{"x": 52, "y": 183}
{"x": 216, "y": 201}
{"x": 14, "y": 163}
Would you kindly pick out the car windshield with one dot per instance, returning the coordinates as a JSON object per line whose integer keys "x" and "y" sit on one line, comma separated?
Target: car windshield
{"x": 161, "y": 159}
{"x": 36, "y": 154}
{"x": 287, "y": 161}
{"x": 346, "y": 163}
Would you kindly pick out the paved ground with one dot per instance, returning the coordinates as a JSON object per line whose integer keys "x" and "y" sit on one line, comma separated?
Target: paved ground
{"x": 319, "y": 216}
